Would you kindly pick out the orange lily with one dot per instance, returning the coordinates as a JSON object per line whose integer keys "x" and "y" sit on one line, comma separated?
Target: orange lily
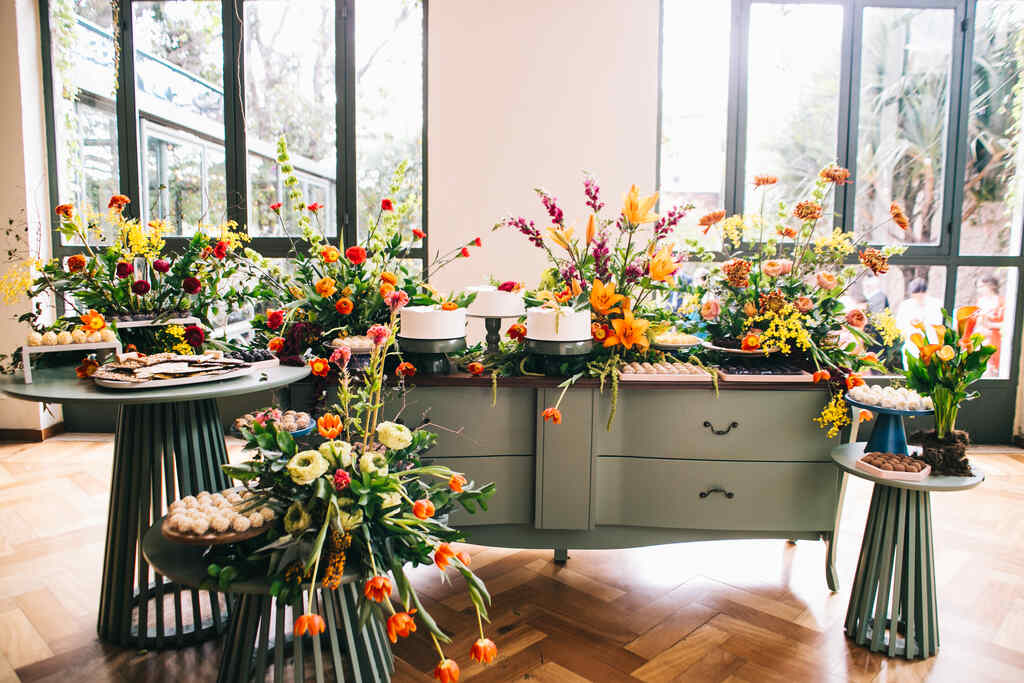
{"x": 590, "y": 229}
{"x": 638, "y": 211}
{"x": 629, "y": 332}
{"x": 663, "y": 266}
{"x": 603, "y": 298}
{"x": 966, "y": 319}
{"x": 561, "y": 236}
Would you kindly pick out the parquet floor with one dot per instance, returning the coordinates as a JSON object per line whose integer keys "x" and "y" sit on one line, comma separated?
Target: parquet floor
{"x": 728, "y": 611}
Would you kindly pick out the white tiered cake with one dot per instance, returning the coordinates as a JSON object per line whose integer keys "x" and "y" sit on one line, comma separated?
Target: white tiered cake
{"x": 430, "y": 322}
{"x": 492, "y": 302}
{"x": 559, "y": 325}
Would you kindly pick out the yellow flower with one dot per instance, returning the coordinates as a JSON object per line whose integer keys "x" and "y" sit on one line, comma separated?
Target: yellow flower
{"x": 834, "y": 247}
{"x": 785, "y": 328}
{"x": 946, "y": 353}
{"x": 16, "y": 281}
{"x": 561, "y": 236}
{"x": 603, "y": 298}
{"x": 887, "y": 327}
{"x": 629, "y": 332}
{"x": 663, "y": 266}
{"x": 637, "y": 211}
{"x": 691, "y": 302}
{"x": 834, "y": 416}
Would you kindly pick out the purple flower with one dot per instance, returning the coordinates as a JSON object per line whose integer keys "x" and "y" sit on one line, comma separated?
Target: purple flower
{"x": 634, "y": 271}
{"x": 593, "y": 192}
{"x": 551, "y": 204}
{"x": 527, "y": 228}
{"x": 599, "y": 248}
{"x": 140, "y": 287}
{"x": 668, "y": 222}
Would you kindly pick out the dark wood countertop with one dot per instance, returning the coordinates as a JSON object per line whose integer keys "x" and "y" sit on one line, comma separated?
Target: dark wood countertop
{"x": 461, "y": 379}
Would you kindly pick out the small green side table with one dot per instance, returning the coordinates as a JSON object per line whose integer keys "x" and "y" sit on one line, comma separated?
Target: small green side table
{"x": 168, "y": 443}
{"x": 893, "y": 604}
{"x": 259, "y": 634}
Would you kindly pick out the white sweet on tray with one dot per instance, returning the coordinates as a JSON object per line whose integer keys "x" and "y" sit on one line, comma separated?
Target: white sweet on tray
{"x": 557, "y": 324}
{"x": 892, "y": 398}
{"x": 432, "y": 322}
{"x": 220, "y": 513}
{"x": 491, "y": 301}
{"x": 66, "y": 338}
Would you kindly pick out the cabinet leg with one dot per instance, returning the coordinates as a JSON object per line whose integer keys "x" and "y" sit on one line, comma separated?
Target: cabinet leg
{"x": 561, "y": 555}
{"x": 831, "y": 575}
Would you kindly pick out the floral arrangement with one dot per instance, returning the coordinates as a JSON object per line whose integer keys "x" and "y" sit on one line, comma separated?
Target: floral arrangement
{"x": 333, "y": 292}
{"x": 361, "y": 497}
{"x": 780, "y": 288}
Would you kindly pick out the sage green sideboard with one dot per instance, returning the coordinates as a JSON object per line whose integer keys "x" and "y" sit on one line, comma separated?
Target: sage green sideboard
{"x": 679, "y": 463}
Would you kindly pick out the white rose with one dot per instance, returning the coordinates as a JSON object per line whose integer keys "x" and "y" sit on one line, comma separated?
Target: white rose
{"x": 393, "y": 435}
{"x": 390, "y": 500}
{"x": 306, "y": 466}
{"x": 373, "y": 462}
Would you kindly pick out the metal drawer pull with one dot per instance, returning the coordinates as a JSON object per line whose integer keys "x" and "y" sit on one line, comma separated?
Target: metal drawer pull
{"x": 720, "y": 432}
{"x": 705, "y": 494}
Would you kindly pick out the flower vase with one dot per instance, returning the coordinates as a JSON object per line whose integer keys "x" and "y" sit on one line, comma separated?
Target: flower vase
{"x": 946, "y": 409}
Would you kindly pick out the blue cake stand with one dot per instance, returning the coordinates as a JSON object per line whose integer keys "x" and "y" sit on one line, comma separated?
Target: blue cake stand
{"x": 888, "y": 435}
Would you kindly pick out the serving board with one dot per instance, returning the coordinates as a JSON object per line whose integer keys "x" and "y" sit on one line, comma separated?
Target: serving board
{"x": 740, "y": 352}
{"x": 885, "y": 411}
{"x": 164, "y": 383}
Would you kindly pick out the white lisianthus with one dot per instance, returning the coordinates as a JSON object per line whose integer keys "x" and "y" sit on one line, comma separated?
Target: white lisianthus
{"x": 373, "y": 463}
{"x": 394, "y": 435}
{"x": 306, "y": 466}
{"x": 390, "y": 500}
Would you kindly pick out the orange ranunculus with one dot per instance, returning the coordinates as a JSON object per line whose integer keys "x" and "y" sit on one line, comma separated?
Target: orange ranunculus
{"x": 456, "y": 482}
{"x": 378, "y": 588}
{"x": 319, "y": 367}
{"x": 88, "y": 368}
{"x": 629, "y": 332}
{"x": 821, "y": 375}
{"x": 405, "y": 369}
{"x": 447, "y": 671}
{"x": 443, "y": 555}
{"x": 637, "y": 210}
{"x": 65, "y": 211}
{"x": 330, "y": 254}
{"x": 475, "y": 368}
{"x": 946, "y": 353}
{"x": 772, "y": 268}
{"x": 663, "y": 266}
{"x": 329, "y": 426}
{"x": 386, "y": 289}
{"x": 309, "y": 623}
{"x": 93, "y": 321}
{"x": 966, "y": 319}
{"x": 389, "y": 278}
{"x": 423, "y": 508}
{"x": 804, "y": 304}
{"x": 554, "y": 415}
{"x": 866, "y": 416}
{"x": 401, "y": 624}
{"x": 344, "y": 305}
{"x": 449, "y": 306}
{"x": 603, "y": 298}
{"x": 927, "y": 351}
{"x": 853, "y": 380}
{"x": 826, "y": 280}
{"x": 483, "y": 650}
{"x": 325, "y": 287}
{"x": 590, "y": 229}
{"x": 710, "y": 309}
{"x": 118, "y": 202}
{"x": 751, "y": 342}
{"x": 76, "y": 263}
{"x": 276, "y": 344}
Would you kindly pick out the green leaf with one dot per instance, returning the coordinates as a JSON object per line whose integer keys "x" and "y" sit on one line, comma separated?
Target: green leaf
{"x": 285, "y": 442}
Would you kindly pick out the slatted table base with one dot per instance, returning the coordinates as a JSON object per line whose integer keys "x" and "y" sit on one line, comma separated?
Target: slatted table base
{"x": 895, "y": 580}
{"x": 162, "y": 451}
{"x": 259, "y": 639}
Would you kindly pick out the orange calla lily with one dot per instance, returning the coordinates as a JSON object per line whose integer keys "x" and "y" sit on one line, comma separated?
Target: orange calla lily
{"x": 663, "y": 266}
{"x": 603, "y": 298}
{"x": 638, "y": 211}
{"x": 966, "y": 319}
{"x": 928, "y": 351}
{"x": 629, "y": 332}
{"x": 561, "y": 236}
{"x": 918, "y": 340}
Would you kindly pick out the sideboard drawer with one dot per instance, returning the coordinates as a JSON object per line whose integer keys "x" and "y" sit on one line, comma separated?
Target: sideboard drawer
{"x": 736, "y": 425}
{"x": 512, "y": 502}
{"x": 469, "y": 425}
{"x": 753, "y": 496}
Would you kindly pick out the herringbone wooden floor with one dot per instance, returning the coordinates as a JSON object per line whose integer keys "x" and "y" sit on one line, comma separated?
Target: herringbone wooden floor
{"x": 728, "y": 611}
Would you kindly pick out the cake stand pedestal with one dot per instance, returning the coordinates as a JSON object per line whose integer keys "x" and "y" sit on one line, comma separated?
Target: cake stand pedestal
{"x": 560, "y": 348}
{"x": 430, "y": 356}
{"x": 888, "y": 436}
{"x": 492, "y": 323}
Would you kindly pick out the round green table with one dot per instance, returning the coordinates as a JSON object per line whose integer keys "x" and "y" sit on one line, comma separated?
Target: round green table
{"x": 893, "y": 602}
{"x": 168, "y": 443}
{"x": 259, "y": 634}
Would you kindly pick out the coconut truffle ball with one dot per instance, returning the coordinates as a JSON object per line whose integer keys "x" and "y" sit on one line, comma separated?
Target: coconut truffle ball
{"x": 63, "y": 337}
{"x": 200, "y": 526}
{"x": 180, "y": 522}
{"x": 267, "y": 513}
{"x": 240, "y": 524}
{"x": 255, "y": 520}
{"x": 190, "y": 502}
{"x": 220, "y": 523}
{"x": 79, "y": 336}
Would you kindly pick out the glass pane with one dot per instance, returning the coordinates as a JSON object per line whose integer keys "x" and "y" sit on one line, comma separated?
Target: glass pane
{"x": 991, "y": 217}
{"x": 793, "y": 98}
{"x": 994, "y": 292}
{"x": 179, "y": 80}
{"x": 695, "y": 59}
{"x": 290, "y": 92}
{"x": 906, "y": 57}
{"x": 83, "y": 77}
{"x": 389, "y": 109}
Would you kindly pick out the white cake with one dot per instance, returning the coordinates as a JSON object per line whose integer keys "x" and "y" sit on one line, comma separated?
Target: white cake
{"x": 563, "y": 324}
{"x": 430, "y": 322}
{"x": 491, "y": 301}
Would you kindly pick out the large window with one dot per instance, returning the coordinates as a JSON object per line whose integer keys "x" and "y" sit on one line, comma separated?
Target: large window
{"x": 180, "y": 104}
{"x": 920, "y": 99}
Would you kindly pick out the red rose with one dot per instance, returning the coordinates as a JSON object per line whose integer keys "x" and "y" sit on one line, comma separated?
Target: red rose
{"x": 418, "y": 234}
{"x": 194, "y": 335}
{"x": 191, "y": 285}
{"x": 220, "y": 250}
{"x": 387, "y": 205}
{"x": 275, "y": 319}
{"x": 140, "y": 287}
{"x": 356, "y": 255}
{"x": 161, "y": 265}
{"x": 124, "y": 269}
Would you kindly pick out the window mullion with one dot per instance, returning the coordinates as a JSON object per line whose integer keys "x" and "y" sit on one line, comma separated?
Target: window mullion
{"x": 127, "y": 113}
{"x": 959, "y": 114}
{"x": 345, "y": 113}
{"x": 736, "y": 129}
{"x": 846, "y": 144}
{"x": 235, "y": 143}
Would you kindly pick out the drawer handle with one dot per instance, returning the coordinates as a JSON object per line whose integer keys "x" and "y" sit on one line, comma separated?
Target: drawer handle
{"x": 727, "y": 494}
{"x": 720, "y": 432}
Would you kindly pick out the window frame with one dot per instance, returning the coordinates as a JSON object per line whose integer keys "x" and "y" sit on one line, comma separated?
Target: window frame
{"x": 129, "y": 128}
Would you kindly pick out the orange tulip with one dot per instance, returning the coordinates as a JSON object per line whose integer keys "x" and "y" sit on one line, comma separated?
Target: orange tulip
{"x": 447, "y": 671}
{"x": 377, "y": 588}
{"x": 629, "y": 332}
{"x": 853, "y": 380}
{"x": 443, "y": 555}
{"x": 484, "y": 651}
{"x": 821, "y": 375}
{"x": 475, "y": 368}
{"x": 329, "y": 426}
{"x": 866, "y": 416}
{"x": 423, "y": 508}
{"x": 554, "y": 415}
{"x": 603, "y": 298}
{"x": 401, "y": 624}
{"x": 311, "y": 623}
{"x": 456, "y": 483}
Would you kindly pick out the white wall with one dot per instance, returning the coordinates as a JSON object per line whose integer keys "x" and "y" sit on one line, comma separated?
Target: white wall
{"x": 530, "y": 93}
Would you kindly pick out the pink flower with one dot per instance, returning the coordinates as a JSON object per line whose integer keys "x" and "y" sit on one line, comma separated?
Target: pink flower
{"x": 396, "y": 299}
{"x": 508, "y": 286}
{"x": 710, "y": 310}
{"x": 804, "y": 304}
{"x": 771, "y": 268}
{"x": 341, "y": 479}
{"x": 787, "y": 266}
{"x": 826, "y": 280}
{"x": 341, "y": 356}
{"x": 379, "y": 334}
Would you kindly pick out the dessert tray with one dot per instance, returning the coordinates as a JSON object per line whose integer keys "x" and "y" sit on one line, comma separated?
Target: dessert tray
{"x": 663, "y": 372}
{"x": 676, "y": 341}
{"x": 296, "y": 423}
{"x": 885, "y": 411}
{"x": 740, "y": 352}
{"x": 132, "y": 371}
{"x": 894, "y": 466}
{"x": 357, "y": 345}
{"x": 772, "y": 375}
{"x": 216, "y": 518}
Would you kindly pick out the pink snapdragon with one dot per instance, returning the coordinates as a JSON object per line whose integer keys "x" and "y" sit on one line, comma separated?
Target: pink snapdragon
{"x": 379, "y": 334}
